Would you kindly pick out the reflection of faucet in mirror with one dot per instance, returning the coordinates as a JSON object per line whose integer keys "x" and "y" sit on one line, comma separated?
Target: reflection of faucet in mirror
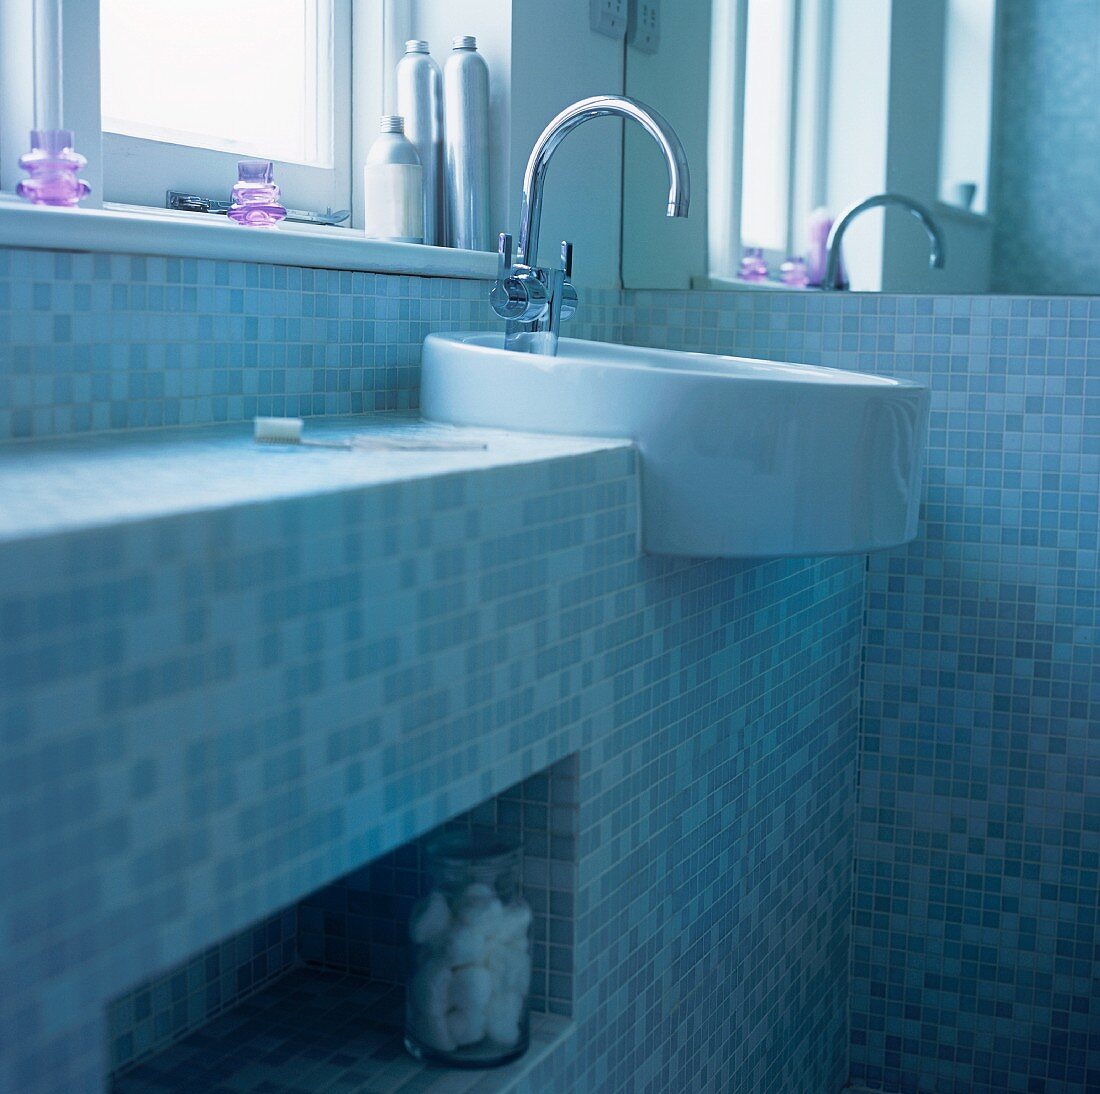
{"x": 834, "y": 279}
{"x": 532, "y": 299}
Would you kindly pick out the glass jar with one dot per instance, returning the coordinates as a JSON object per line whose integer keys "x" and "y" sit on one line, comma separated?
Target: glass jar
{"x": 470, "y": 972}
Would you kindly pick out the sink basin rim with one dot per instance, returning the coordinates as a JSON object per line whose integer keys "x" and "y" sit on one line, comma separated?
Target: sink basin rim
{"x": 741, "y": 459}
{"x": 749, "y": 370}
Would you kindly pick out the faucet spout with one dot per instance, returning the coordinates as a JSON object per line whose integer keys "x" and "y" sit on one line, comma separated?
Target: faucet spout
{"x": 937, "y": 255}
{"x": 599, "y": 106}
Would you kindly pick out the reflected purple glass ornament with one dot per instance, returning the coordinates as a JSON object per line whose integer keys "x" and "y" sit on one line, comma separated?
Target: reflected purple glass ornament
{"x": 793, "y": 272}
{"x": 53, "y": 167}
{"x": 255, "y": 196}
{"x": 753, "y": 266}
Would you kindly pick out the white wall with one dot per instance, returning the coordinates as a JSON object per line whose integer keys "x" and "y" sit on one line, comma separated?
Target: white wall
{"x": 658, "y": 251}
{"x": 557, "y": 59}
{"x": 490, "y": 21}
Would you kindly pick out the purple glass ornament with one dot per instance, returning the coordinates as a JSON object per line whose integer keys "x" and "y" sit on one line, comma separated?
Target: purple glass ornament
{"x": 793, "y": 272}
{"x": 255, "y": 196}
{"x": 53, "y": 167}
{"x": 753, "y": 266}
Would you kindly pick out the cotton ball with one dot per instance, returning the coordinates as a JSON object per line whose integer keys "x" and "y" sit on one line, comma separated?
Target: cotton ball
{"x": 477, "y": 891}
{"x": 510, "y": 969}
{"x": 466, "y": 1027}
{"x": 471, "y": 987}
{"x": 431, "y": 922}
{"x": 480, "y": 908}
{"x": 431, "y": 986}
{"x": 502, "y": 1017}
{"x": 432, "y": 1031}
{"x": 465, "y": 946}
{"x": 517, "y": 976}
{"x": 515, "y": 920}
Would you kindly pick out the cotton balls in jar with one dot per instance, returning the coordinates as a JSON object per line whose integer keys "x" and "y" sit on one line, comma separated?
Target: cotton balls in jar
{"x": 472, "y": 969}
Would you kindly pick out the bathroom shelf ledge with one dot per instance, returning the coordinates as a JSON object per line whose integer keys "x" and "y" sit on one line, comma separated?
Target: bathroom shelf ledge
{"x": 323, "y": 1033}
{"x": 200, "y": 235}
{"x": 51, "y": 487}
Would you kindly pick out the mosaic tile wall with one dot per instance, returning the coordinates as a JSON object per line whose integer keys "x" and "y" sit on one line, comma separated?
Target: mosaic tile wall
{"x": 1047, "y": 217}
{"x": 162, "y": 1010}
{"x": 96, "y": 342}
{"x": 279, "y": 693}
{"x": 357, "y": 925}
{"x": 974, "y": 966}
{"x": 976, "y": 955}
{"x": 92, "y": 342}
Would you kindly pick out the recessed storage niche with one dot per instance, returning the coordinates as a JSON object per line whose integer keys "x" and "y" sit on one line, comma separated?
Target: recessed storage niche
{"x": 311, "y": 997}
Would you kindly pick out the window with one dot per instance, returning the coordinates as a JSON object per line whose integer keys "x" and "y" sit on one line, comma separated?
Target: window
{"x": 769, "y": 72}
{"x": 168, "y": 97}
{"x": 222, "y": 79}
{"x": 184, "y": 98}
{"x": 768, "y": 105}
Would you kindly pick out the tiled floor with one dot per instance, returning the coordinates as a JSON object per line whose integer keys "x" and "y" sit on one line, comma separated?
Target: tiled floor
{"x": 315, "y": 1032}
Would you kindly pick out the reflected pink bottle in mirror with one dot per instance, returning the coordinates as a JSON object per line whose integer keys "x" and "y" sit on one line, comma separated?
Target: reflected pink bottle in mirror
{"x": 256, "y": 201}
{"x": 793, "y": 272}
{"x": 53, "y": 167}
{"x": 753, "y": 265}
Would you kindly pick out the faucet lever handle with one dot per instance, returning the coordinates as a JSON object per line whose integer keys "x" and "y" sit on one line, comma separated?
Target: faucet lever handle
{"x": 504, "y": 256}
{"x": 567, "y": 257}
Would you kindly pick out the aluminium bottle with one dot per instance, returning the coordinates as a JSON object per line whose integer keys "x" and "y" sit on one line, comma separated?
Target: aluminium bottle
{"x": 420, "y": 103}
{"x": 393, "y": 186}
{"x": 466, "y": 146}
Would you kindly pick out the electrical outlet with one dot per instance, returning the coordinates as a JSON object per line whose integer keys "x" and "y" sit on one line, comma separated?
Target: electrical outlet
{"x": 644, "y": 25}
{"x": 608, "y": 17}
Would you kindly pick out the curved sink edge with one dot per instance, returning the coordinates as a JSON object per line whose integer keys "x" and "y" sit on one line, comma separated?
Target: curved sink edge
{"x": 470, "y": 379}
{"x": 864, "y": 380}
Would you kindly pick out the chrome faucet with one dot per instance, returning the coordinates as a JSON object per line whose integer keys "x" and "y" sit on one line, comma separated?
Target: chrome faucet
{"x": 834, "y": 279}
{"x": 535, "y": 300}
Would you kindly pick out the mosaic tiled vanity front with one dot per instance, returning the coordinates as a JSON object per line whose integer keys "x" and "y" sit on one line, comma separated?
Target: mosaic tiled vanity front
{"x": 276, "y": 694}
{"x": 975, "y": 963}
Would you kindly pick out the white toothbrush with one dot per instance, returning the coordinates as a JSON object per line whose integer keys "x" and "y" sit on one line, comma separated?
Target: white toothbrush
{"x": 289, "y": 431}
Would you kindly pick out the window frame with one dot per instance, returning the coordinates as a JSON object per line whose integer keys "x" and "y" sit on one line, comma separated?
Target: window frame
{"x": 140, "y": 170}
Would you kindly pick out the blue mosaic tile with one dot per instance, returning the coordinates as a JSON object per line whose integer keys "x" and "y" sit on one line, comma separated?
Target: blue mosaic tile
{"x": 358, "y": 925}
{"x": 164, "y": 1010}
{"x": 283, "y": 692}
{"x": 318, "y": 1032}
{"x": 975, "y": 961}
{"x": 90, "y": 343}
{"x": 712, "y": 706}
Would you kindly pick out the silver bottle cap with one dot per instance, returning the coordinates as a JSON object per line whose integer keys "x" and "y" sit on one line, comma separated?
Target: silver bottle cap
{"x": 392, "y": 123}
{"x": 465, "y": 41}
{"x": 416, "y": 45}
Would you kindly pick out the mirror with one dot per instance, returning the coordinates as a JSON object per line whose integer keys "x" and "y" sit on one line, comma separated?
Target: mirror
{"x": 981, "y": 112}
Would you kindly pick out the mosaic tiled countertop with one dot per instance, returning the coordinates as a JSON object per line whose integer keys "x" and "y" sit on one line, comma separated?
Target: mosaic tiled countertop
{"x": 54, "y": 486}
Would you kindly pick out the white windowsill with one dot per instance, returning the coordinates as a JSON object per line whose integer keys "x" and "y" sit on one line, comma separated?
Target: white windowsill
{"x": 958, "y": 212}
{"x": 201, "y": 235}
{"x": 707, "y": 283}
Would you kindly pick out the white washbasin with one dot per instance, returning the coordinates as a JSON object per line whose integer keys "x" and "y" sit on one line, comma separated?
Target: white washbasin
{"x": 740, "y": 458}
